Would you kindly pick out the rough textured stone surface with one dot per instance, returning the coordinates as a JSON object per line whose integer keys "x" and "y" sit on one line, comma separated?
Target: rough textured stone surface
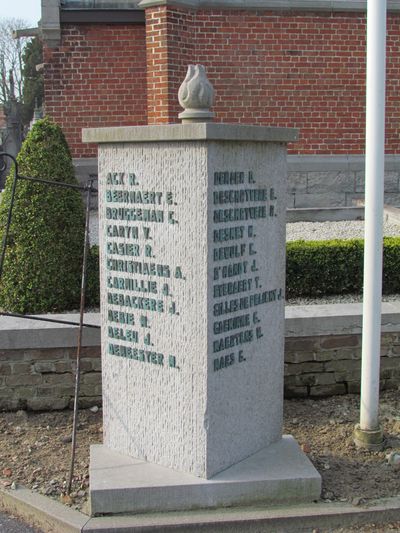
{"x": 184, "y": 396}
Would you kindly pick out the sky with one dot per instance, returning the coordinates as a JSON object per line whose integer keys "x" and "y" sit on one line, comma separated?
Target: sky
{"x": 28, "y": 10}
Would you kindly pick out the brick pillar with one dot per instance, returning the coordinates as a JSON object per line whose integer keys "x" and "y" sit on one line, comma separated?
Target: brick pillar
{"x": 170, "y": 49}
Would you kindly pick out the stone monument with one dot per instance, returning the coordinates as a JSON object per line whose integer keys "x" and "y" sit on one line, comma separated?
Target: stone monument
{"x": 192, "y": 255}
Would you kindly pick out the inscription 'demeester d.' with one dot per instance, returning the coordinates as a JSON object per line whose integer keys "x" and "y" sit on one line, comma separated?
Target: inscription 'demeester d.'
{"x": 138, "y": 286}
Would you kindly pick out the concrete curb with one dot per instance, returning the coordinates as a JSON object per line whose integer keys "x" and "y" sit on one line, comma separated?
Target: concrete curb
{"x": 41, "y": 511}
{"x": 53, "y": 517}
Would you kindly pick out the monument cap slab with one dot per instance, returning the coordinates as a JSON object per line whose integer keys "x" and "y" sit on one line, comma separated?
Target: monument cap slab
{"x": 190, "y": 132}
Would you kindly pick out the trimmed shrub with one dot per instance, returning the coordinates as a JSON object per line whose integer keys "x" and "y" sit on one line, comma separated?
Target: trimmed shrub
{"x": 43, "y": 263}
{"x": 391, "y": 265}
{"x": 93, "y": 278}
{"x": 317, "y": 268}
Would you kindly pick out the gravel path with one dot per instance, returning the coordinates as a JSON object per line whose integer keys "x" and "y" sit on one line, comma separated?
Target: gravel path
{"x": 338, "y": 299}
{"x": 343, "y": 229}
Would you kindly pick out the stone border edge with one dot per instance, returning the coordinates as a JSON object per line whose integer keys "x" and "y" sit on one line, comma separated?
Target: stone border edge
{"x": 40, "y": 511}
{"x": 43, "y": 512}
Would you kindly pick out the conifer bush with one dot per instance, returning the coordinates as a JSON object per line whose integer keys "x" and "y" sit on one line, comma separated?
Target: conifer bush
{"x": 43, "y": 263}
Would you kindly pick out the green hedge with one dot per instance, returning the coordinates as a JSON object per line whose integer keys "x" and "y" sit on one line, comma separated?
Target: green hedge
{"x": 93, "y": 278}
{"x": 42, "y": 267}
{"x": 316, "y": 268}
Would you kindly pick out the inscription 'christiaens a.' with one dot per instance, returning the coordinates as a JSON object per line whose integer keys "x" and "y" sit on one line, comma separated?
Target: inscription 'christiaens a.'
{"x": 137, "y": 286}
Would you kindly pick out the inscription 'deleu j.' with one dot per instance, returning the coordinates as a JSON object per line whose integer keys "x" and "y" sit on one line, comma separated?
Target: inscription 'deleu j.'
{"x": 138, "y": 286}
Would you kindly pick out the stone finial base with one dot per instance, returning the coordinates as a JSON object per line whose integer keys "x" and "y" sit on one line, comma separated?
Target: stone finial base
{"x": 196, "y": 115}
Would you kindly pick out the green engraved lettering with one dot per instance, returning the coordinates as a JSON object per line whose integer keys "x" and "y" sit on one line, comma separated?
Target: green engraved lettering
{"x": 232, "y": 287}
{"x": 245, "y": 302}
{"x": 229, "y": 252}
{"x": 238, "y": 196}
{"x": 165, "y": 289}
{"x": 126, "y": 232}
{"x": 133, "y": 197}
{"x": 141, "y": 215}
{"x": 121, "y": 317}
{"x": 224, "y": 362}
{"x": 130, "y": 249}
{"x": 178, "y": 273}
{"x": 137, "y": 267}
{"x": 119, "y": 333}
{"x": 115, "y": 178}
{"x": 132, "y": 179}
{"x": 228, "y": 234}
{"x": 135, "y": 302}
{"x": 136, "y": 354}
{"x": 144, "y": 321}
{"x": 231, "y": 341}
{"x": 228, "y": 178}
{"x": 234, "y": 269}
{"x": 241, "y": 357}
{"x": 171, "y": 219}
{"x": 131, "y": 284}
{"x": 229, "y": 324}
{"x": 238, "y": 214}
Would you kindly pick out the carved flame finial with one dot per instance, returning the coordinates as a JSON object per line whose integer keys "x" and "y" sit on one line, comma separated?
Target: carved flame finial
{"x": 196, "y": 96}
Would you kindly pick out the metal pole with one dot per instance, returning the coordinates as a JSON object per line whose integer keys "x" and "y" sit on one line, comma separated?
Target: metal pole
{"x": 369, "y": 433}
{"x": 78, "y": 352}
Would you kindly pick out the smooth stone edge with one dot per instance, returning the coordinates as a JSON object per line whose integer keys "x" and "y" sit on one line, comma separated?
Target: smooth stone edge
{"x": 189, "y": 132}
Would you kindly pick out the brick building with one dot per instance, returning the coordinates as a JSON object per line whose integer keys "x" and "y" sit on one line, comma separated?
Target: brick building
{"x": 297, "y": 63}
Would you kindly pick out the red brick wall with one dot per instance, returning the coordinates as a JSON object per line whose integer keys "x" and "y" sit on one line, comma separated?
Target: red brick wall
{"x": 304, "y": 70}
{"x": 97, "y": 77}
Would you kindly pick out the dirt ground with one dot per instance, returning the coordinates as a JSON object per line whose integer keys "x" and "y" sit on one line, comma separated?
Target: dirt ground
{"x": 35, "y": 450}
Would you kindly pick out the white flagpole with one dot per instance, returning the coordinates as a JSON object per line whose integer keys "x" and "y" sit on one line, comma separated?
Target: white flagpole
{"x": 369, "y": 433}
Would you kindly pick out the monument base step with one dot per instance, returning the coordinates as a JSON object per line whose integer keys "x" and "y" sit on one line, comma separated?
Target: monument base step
{"x": 278, "y": 473}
